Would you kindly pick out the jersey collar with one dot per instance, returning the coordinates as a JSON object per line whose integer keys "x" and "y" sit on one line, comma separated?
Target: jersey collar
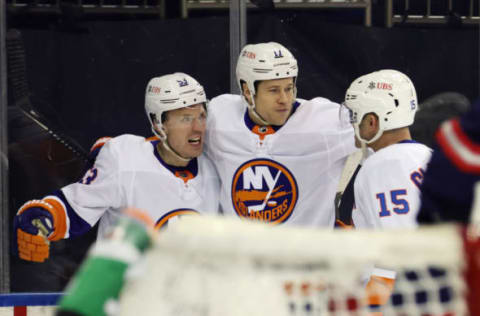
{"x": 408, "y": 141}
{"x": 186, "y": 173}
{"x": 270, "y": 129}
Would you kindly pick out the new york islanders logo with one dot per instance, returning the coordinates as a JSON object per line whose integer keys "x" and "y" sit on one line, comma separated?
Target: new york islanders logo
{"x": 263, "y": 189}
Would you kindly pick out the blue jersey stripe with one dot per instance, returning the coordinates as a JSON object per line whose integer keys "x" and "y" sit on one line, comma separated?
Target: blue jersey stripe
{"x": 78, "y": 226}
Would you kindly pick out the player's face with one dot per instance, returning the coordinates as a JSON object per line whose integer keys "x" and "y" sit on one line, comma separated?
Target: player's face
{"x": 274, "y": 100}
{"x": 185, "y": 129}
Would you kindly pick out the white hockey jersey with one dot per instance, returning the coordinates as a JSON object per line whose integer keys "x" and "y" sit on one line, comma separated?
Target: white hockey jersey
{"x": 386, "y": 189}
{"x": 128, "y": 172}
{"x": 286, "y": 174}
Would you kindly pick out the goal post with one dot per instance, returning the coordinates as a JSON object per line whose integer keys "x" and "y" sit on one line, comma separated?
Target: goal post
{"x": 216, "y": 266}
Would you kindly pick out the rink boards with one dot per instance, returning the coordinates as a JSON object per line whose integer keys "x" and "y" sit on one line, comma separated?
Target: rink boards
{"x": 28, "y": 304}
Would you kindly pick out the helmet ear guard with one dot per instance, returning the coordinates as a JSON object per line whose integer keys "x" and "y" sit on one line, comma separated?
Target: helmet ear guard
{"x": 389, "y": 94}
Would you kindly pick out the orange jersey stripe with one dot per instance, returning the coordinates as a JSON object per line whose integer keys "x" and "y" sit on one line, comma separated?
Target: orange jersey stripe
{"x": 100, "y": 142}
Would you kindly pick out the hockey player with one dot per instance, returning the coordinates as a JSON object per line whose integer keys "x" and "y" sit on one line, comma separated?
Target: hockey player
{"x": 382, "y": 105}
{"x": 450, "y": 190}
{"x": 279, "y": 158}
{"x": 166, "y": 176}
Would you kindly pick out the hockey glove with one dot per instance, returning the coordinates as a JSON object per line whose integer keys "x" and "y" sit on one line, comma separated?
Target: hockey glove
{"x": 36, "y": 224}
{"x": 379, "y": 289}
{"x": 342, "y": 225}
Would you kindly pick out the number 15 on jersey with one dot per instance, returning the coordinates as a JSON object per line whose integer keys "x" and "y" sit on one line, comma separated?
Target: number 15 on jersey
{"x": 394, "y": 201}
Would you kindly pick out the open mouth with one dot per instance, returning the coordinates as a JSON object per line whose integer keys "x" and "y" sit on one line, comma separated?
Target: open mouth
{"x": 195, "y": 140}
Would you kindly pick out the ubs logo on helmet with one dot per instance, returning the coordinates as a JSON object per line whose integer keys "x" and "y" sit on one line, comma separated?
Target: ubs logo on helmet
{"x": 172, "y": 216}
{"x": 154, "y": 89}
{"x": 248, "y": 54}
{"x": 263, "y": 189}
{"x": 380, "y": 85}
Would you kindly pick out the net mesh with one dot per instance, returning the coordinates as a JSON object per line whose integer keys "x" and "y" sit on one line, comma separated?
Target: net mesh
{"x": 209, "y": 267}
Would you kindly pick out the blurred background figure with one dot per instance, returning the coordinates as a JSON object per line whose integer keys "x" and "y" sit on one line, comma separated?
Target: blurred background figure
{"x": 433, "y": 111}
{"x": 108, "y": 260}
{"x": 449, "y": 189}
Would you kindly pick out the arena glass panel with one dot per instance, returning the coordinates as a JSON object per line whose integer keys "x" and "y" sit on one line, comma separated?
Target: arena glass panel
{"x": 4, "y": 255}
{"x": 333, "y": 46}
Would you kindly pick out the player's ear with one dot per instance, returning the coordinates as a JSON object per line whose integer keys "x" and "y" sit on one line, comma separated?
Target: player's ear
{"x": 164, "y": 129}
{"x": 372, "y": 120}
{"x": 375, "y": 123}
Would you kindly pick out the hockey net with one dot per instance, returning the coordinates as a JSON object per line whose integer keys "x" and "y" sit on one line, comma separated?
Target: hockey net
{"x": 218, "y": 267}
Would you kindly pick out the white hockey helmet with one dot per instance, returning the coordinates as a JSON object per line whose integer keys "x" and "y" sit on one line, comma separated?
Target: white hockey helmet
{"x": 264, "y": 61}
{"x": 170, "y": 92}
{"x": 389, "y": 94}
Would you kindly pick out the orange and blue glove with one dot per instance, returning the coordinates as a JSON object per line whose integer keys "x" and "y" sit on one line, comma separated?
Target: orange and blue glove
{"x": 36, "y": 224}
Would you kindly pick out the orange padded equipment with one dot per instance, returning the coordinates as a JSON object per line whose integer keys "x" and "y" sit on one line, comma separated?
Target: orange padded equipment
{"x": 31, "y": 247}
{"x": 59, "y": 219}
{"x": 37, "y": 247}
{"x": 379, "y": 290}
{"x": 342, "y": 225}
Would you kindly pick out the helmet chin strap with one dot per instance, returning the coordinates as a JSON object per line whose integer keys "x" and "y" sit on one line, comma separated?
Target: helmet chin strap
{"x": 373, "y": 139}
{"x": 364, "y": 150}
{"x": 170, "y": 149}
{"x": 163, "y": 138}
{"x": 254, "y": 112}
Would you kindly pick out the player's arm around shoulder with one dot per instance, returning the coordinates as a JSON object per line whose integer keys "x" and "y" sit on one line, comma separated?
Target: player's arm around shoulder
{"x": 331, "y": 122}
{"x": 323, "y": 104}
{"x": 113, "y": 143}
{"x": 225, "y": 98}
{"x": 211, "y": 183}
{"x": 105, "y": 155}
{"x": 220, "y": 111}
{"x": 61, "y": 214}
{"x": 332, "y": 116}
{"x": 223, "y": 105}
{"x": 102, "y": 185}
{"x": 117, "y": 152}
